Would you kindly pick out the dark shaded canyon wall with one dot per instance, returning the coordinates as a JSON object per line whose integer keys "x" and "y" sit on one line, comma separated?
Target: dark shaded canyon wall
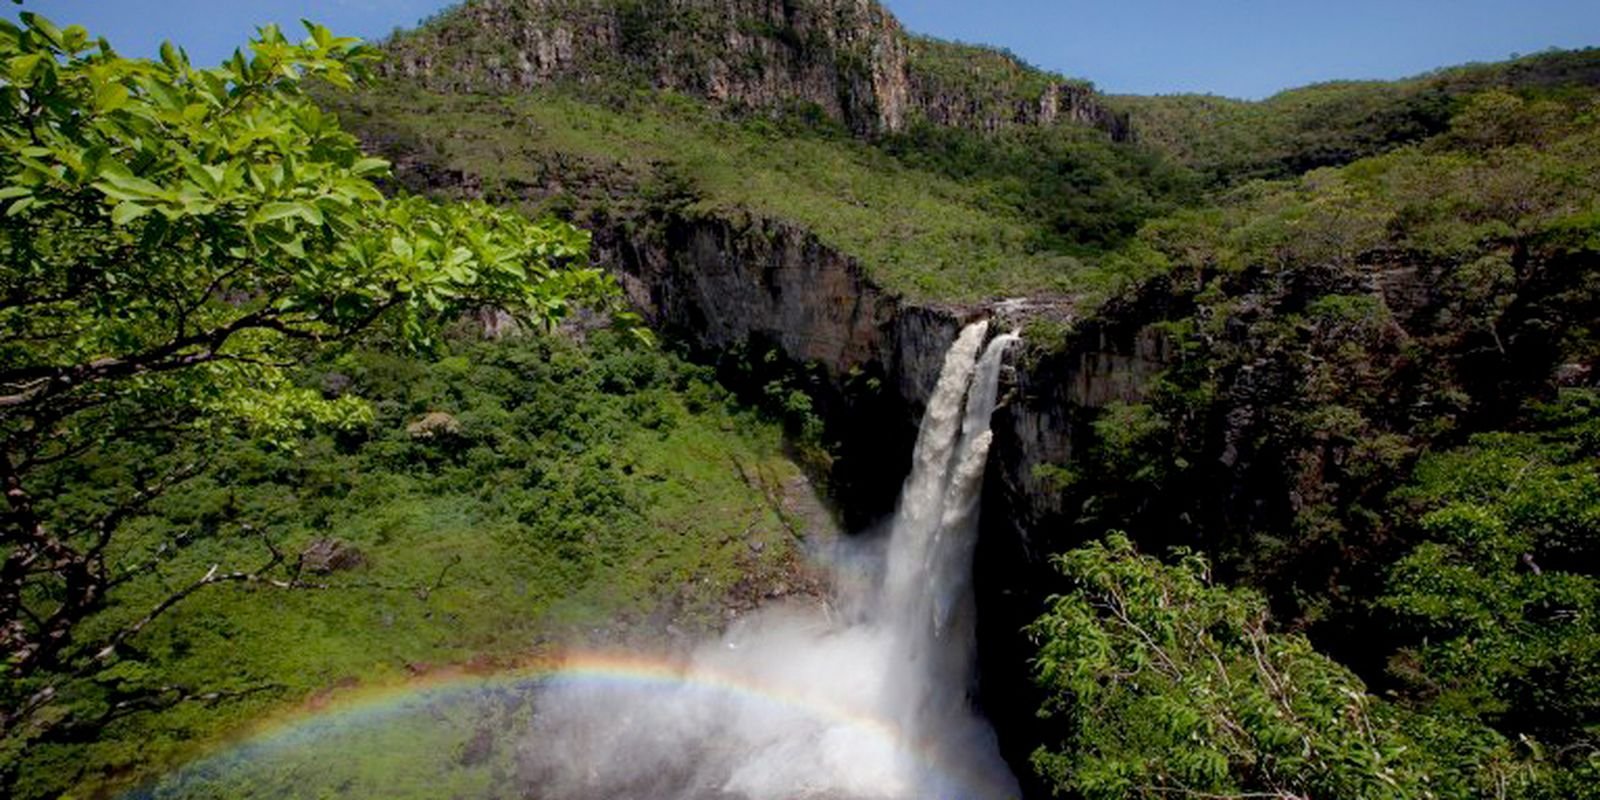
{"x": 758, "y": 287}
{"x": 1053, "y": 397}
{"x": 719, "y": 284}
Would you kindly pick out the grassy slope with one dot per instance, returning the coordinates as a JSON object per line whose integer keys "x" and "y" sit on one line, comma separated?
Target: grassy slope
{"x": 918, "y": 232}
{"x": 937, "y": 214}
{"x": 588, "y": 489}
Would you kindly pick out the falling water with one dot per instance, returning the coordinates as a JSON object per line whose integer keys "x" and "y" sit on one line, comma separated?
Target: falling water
{"x": 870, "y": 705}
{"x": 927, "y": 598}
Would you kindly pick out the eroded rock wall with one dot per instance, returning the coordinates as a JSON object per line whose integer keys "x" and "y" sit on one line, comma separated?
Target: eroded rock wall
{"x": 849, "y": 58}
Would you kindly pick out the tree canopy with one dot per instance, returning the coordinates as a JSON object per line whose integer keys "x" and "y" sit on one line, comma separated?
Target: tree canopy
{"x": 173, "y": 242}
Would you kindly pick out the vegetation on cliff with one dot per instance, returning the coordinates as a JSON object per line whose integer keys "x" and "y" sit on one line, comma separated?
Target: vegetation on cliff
{"x": 1234, "y": 141}
{"x": 1162, "y": 682}
{"x": 1377, "y": 415}
{"x": 230, "y": 372}
{"x": 215, "y": 505}
{"x": 628, "y": 163}
{"x": 1481, "y": 629}
{"x": 562, "y": 489}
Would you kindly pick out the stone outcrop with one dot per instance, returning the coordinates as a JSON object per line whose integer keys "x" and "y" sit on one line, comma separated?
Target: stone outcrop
{"x": 850, "y": 59}
{"x": 327, "y": 556}
{"x": 434, "y": 426}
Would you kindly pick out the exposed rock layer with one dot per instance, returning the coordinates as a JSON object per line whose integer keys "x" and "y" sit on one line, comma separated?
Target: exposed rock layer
{"x": 850, "y": 59}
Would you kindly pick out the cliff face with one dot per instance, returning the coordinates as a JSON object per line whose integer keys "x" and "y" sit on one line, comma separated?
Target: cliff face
{"x": 850, "y": 59}
{"x": 725, "y": 285}
{"x": 774, "y": 291}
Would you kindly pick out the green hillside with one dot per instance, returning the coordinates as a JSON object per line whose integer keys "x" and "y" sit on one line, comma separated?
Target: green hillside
{"x": 934, "y": 213}
{"x": 279, "y": 422}
{"x": 1231, "y": 141}
{"x": 562, "y": 490}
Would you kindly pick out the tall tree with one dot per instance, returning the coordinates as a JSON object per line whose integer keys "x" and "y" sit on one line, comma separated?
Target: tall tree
{"x": 173, "y": 242}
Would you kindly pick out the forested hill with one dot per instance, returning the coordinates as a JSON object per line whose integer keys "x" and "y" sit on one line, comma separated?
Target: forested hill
{"x": 1294, "y": 488}
{"x": 1284, "y": 335}
{"x": 1233, "y": 141}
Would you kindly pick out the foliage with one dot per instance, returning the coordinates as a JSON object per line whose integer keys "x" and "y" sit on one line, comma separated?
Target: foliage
{"x": 636, "y": 158}
{"x": 1086, "y": 192}
{"x": 174, "y": 240}
{"x": 1496, "y": 601}
{"x": 1160, "y": 683}
{"x": 1401, "y": 320}
{"x": 1327, "y": 329}
{"x": 590, "y": 490}
{"x": 1233, "y": 141}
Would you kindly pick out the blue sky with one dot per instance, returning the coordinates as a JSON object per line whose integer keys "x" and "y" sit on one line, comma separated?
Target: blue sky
{"x": 1252, "y": 48}
{"x": 1241, "y": 48}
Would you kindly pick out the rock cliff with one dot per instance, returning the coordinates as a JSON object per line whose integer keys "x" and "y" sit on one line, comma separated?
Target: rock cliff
{"x": 848, "y": 59}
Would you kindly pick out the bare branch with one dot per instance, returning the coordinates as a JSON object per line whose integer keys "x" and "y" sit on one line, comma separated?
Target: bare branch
{"x": 142, "y": 498}
{"x": 212, "y": 576}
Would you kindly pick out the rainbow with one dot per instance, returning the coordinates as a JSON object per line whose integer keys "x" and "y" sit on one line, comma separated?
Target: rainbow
{"x": 374, "y": 706}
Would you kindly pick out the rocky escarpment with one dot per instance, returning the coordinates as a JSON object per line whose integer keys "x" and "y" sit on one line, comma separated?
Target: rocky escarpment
{"x": 765, "y": 287}
{"x": 850, "y": 59}
{"x": 751, "y": 289}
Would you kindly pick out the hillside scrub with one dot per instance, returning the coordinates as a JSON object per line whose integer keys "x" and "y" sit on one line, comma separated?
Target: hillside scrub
{"x": 934, "y": 214}
{"x": 1377, "y": 417}
{"x": 1230, "y": 142}
{"x": 1161, "y": 682}
{"x": 583, "y": 487}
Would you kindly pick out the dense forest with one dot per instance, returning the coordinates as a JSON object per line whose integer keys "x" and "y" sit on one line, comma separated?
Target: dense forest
{"x": 339, "y": 365}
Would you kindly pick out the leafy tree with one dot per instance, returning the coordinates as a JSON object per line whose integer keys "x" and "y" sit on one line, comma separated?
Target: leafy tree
{"x": 1497, "y": 605}
{"x": 173, "y": 240}
{"x": 1162, "y": 684}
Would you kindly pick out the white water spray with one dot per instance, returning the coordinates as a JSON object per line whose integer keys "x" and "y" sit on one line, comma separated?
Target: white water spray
{"x": 797, "y": 704}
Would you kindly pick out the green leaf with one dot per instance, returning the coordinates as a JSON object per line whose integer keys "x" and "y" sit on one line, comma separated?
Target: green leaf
{"x": 128, "y": 211}
{"x": 370, "y": 166}
{"x": 272, "y": 212}
{"x": 205, "y": 176}
{"x": 295, "y": 247}
{"x": 110, "y": 97}
{"x": 169, "y": 56}
{"x": 21, "y": 67}
{"x": 75, "y": 38}
{"x": 319, "y": 34}
{"x": 119, "y": 185}
{"x": 21, "y": 205}
{"x": 44, "y": 26}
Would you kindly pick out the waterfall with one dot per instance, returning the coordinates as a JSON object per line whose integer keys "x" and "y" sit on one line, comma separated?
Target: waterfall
{"x": 926, "y": 599}
{"x": 797, "y": 703}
